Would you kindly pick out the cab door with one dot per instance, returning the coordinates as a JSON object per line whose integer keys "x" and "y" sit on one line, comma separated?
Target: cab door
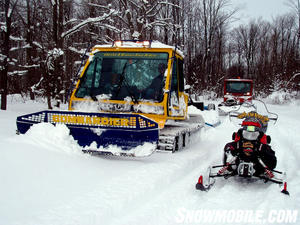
{"x": 177, "y": 102}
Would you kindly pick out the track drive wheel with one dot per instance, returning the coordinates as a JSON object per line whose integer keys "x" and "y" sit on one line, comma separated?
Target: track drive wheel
{"x": 179, "y": 142}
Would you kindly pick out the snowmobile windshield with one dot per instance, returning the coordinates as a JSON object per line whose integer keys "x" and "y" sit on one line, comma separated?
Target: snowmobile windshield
{"x": 123, "y": 75}
{"x": 255, "y": 113}
{"x": 238, "y": 87}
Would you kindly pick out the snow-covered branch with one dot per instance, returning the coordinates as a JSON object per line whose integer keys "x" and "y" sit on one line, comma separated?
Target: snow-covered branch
{"x": 99, "y": 6}
{"x": 73, "y": 20}
{"x": 19, "y": 73}
{"x": 13, "y": 38}
{"x": 89, "y": 21}
{"x": 292, "y": 78}
{"x": 75, "y": 50}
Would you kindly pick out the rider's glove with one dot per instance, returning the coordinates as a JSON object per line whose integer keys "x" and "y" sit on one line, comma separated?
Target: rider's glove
{"x": 230, "y": 149}
{"x": 269, "y": 173}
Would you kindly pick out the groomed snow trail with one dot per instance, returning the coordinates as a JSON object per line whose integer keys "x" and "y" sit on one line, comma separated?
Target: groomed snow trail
{"x": 45, "y": 179}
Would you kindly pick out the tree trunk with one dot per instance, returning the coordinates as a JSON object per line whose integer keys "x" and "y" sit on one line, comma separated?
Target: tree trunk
{"x": 54, "y": 18}
{"x": 49, "y": 101}
{"x": 5, "y": 48}
{"x": 29, "y": 51}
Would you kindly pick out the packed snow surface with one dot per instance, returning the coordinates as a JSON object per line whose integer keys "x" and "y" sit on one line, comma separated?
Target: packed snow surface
{"x": 46, "y": 179}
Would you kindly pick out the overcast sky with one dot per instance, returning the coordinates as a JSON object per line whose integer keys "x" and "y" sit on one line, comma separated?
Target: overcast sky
{"x": 266, "y": 9}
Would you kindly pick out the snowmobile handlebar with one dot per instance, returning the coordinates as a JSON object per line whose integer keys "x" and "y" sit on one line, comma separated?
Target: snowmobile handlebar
{"x": 234, "y": 164}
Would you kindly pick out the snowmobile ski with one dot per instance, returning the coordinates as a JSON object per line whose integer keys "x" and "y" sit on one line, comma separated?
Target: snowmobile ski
{"x": 210, "y": 177}
{"x": 203, "y": 187}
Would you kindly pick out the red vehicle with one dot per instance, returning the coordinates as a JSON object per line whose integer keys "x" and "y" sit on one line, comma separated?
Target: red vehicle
{"x": 236, "y": 91}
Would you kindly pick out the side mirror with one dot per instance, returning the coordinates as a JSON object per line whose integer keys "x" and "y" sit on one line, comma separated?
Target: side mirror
{"x": 198, "y": 105}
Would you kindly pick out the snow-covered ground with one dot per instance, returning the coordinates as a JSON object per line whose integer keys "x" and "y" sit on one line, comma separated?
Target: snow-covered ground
{"x": 45, "y": 179}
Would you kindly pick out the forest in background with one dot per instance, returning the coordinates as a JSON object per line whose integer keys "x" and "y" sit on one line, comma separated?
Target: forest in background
{"x": 43, "y": 42}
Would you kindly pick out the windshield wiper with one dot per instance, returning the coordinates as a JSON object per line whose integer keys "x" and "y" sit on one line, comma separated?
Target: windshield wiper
{"x": 123, "y": 80}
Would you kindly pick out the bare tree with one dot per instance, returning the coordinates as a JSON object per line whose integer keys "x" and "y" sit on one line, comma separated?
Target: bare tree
{"x": 211, "y": 20}
{"x": 247, "y": 37}
{"x": 9, "y": 8}
{"x": 295, "y": 6}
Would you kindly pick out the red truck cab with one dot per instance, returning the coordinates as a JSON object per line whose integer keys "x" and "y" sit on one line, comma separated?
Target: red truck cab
{"x": 237, "y": 91}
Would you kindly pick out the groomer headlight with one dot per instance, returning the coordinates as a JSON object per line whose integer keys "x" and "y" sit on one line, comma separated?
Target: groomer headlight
{"x": 118, "y": 43}
{"x": 146, "y": 43}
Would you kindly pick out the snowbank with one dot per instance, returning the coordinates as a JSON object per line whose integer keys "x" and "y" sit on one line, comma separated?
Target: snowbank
{"x": 53, "y": 138}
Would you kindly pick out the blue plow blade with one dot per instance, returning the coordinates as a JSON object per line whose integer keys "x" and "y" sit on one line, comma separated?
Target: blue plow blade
{"x": 126, "y": 131}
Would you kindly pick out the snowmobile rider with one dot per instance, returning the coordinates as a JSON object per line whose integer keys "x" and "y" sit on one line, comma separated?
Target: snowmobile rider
{"x": 250, "y": 144}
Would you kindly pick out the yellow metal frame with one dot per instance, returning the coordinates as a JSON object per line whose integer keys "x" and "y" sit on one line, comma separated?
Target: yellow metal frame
{"x": 160, "y": 119}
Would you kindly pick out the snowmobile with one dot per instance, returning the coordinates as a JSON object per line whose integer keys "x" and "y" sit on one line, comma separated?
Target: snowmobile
{"x": 249, "y": 156}
{"x": 129, "y": 93}
{"x": 236, "y": 92}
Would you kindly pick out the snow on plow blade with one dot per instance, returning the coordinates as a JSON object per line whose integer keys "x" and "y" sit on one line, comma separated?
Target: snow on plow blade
{"x": 96, "y": 132}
